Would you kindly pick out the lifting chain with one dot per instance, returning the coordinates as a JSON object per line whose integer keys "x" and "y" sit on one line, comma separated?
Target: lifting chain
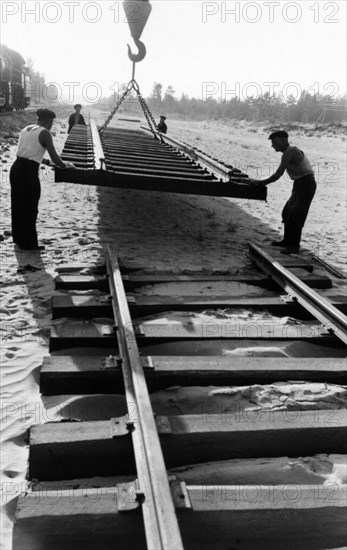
{"x": 149, "y": 117}
{"x": 118, "y": 104}
{"x": 133, "y": 85}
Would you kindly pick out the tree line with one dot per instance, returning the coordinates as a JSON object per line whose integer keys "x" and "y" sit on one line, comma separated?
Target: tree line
{"x": 308, "y": 108}
{"x": 37, "y": 83}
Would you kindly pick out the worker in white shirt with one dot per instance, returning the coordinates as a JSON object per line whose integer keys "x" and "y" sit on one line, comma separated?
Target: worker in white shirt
{"x": 34, "y": 141}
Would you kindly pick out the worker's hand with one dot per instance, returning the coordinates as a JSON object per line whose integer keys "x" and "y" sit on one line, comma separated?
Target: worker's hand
{"x": 69, "y": 165}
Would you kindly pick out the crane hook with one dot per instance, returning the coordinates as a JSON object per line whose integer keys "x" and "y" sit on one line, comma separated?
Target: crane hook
{"x": 135, "y": 58}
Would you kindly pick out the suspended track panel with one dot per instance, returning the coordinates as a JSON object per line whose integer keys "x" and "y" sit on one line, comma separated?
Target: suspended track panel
{"x": 132, "y": 159}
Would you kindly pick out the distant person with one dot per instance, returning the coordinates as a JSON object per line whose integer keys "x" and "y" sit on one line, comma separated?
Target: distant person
{"x": 76, "y": 117}
{"x": 162, "y": 126}
{"x": 295, "y": 211}
{"x": 33, "y": 142}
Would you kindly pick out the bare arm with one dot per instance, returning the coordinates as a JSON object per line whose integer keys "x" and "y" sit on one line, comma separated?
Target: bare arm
{"x": 46, "y": 141}
{"x": 276, "y": 176}
{"x": 286, "y": 158}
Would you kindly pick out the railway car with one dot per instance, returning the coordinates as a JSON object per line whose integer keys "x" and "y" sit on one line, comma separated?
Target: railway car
{"x": 14, "y": 81}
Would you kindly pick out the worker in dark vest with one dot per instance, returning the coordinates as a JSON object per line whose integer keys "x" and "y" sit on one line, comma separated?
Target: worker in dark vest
{"x": 76, "y": 117}
{"x": 295, "y": 211}
{"x": 162, "y": 126}
{"x": 34, "y": 141}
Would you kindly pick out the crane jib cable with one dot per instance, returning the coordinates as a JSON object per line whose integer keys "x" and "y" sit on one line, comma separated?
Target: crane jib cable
{"x": 137, "y": 14}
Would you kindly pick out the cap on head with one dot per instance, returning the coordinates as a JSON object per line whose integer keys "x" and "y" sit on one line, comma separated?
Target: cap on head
{"x": 163, "y": 117}
{"x": 279, "y": 134}
{"x": 77, "y": 106}
{"x": 45, "y": 114}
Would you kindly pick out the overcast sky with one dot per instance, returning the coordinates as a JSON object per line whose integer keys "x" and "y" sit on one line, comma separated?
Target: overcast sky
{"x": 201, "y": 48}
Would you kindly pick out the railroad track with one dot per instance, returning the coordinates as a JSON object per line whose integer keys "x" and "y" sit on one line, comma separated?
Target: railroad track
{"x": 137, "y": 159}
{"x": 122, "y": 481}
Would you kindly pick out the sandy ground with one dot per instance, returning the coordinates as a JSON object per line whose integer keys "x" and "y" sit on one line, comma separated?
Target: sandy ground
{"x": 159, "y": 231}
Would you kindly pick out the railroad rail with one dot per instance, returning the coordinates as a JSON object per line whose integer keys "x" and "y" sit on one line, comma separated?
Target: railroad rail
{"x": 135, "y": 159}
{"x": 323, "y": 310}
{"x": 106, "y": 480}
{"x": 226, "y": 172}
{"x": 158, "y": 510}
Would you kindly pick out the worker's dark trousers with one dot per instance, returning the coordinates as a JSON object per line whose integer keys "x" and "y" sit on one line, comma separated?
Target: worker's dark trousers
{"x": 25, "y": 196}
{"x": 295, "y": 211}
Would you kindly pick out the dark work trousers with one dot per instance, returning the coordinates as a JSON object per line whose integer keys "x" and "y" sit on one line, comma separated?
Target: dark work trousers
{"x": 25, "y": 196}
{"x": 162, "y": 127}
{"x": 295, "y": 211}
